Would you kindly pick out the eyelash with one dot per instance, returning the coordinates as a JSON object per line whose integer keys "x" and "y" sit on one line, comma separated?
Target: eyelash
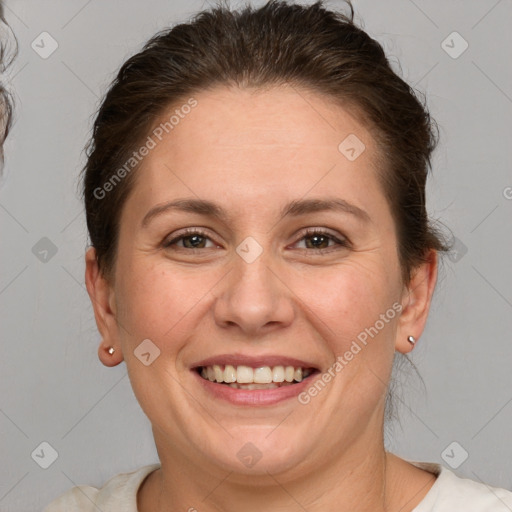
{"x": 305, "y": 234}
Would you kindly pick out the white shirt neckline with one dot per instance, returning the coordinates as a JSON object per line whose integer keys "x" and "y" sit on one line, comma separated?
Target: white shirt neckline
{"x": 448, "y": 493}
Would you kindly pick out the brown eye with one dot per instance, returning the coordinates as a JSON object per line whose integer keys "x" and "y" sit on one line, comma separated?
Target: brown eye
{"x": 192, "y": 239}
{"x": 319, "y": 240}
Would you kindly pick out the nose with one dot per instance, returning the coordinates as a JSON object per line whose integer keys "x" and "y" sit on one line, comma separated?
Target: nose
{"x": 254, "y": 298}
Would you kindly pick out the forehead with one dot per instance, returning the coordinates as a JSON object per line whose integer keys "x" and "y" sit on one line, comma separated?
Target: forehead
{"x": 282, "y": 116}
{"x": 253, "y": 145}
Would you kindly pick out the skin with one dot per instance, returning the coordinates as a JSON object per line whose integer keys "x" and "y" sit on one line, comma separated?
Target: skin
{"x": 252, "y": 151}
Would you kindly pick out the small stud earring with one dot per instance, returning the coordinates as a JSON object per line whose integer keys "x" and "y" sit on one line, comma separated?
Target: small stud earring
{"x": 111, "y": 350}
{"x": 411, "y": 339}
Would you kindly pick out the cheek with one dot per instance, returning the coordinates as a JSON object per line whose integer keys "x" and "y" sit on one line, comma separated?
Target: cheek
{"x": 355, "y": 304}
{"x": 156, "y": 303}
{"x": 349, "y": 297}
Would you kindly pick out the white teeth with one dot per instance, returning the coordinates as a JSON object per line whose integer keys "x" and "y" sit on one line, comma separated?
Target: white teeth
{"x": 219, "y": 374}
{"x": 272, "y": 385}
{"x": 263, "y": 377}
{"x": 254, "y": 386}
{"x": 289, "y": 373}
{"x": 229, "y": 373}
{"x": 244, "y": 374}
{"x": 278, "y": 374}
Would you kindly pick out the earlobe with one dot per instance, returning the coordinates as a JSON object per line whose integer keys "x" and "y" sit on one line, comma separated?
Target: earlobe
{"x": 102, "y": 297}
{"x": 416, "y": 302}
{"x": 107, "y": 356}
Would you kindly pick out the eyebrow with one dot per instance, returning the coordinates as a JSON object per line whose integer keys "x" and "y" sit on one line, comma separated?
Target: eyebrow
{"x": 295, "y": 208}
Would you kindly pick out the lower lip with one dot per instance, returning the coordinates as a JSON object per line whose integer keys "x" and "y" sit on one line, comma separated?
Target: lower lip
{"x": 253, "y": 397}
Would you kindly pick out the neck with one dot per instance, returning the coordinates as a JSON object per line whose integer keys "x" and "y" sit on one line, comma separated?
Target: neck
{"x": 363, "y": 479}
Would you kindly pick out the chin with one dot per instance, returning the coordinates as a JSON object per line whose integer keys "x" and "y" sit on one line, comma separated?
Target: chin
{"x": 257, "y": 451}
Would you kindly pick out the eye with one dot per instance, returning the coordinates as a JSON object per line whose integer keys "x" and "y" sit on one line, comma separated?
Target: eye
{"x": 319, "y": 238}
{"x": 192, "y": 239}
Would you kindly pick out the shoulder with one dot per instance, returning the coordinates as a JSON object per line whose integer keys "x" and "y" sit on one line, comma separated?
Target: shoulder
{"x": 451, "y": 492}
{"x": 117, "y": 494}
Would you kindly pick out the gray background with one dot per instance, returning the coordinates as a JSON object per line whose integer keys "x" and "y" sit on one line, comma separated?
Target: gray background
{"x": 54, "y": 388}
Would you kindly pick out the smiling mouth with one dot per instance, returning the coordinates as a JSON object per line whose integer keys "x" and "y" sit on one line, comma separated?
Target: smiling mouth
{"x": 247, "y": 377}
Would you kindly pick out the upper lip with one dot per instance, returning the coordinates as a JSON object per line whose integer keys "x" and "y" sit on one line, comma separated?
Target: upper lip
{"x": 253, "y": 361}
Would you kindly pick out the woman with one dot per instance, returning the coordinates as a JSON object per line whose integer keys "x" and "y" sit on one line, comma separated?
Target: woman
{"x": 255, "y": 198}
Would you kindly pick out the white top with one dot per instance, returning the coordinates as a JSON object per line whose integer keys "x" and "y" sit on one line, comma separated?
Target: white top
{"x": 449, "y": 493}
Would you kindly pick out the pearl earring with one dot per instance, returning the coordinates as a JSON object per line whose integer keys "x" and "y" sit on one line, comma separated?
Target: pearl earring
{"x": 111, "y": 350}
{"x": 411, "y": 339}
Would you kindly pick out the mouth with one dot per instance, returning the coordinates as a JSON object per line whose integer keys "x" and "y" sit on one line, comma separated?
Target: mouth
{"x": 255, "y": 378}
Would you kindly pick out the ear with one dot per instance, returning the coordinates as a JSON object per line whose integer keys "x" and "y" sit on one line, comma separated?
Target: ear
{"x": 416, "y": 301}
{"x": 102, "y": 297}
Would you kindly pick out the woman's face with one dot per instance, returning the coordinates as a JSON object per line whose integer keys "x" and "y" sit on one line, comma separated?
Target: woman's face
{"x": 253, "y": 289}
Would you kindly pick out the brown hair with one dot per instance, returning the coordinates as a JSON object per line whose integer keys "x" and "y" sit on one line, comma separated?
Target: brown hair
{"x": 8, "y": 52}
{"x": 278, "y": 43}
